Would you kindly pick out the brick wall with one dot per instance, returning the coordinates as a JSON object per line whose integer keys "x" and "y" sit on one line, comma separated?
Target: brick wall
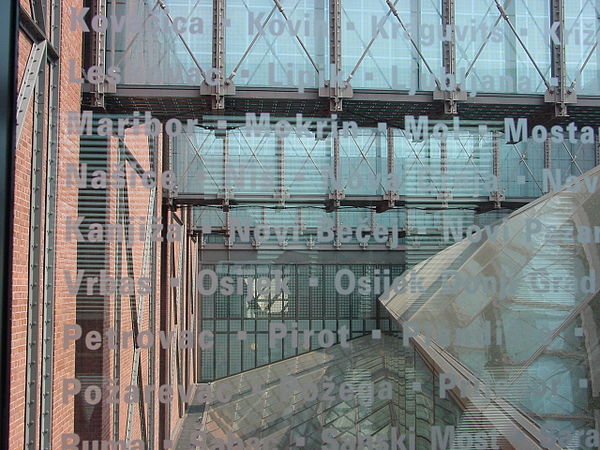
{"x": 69, "y": 99}
{"x": 163, "y": 310}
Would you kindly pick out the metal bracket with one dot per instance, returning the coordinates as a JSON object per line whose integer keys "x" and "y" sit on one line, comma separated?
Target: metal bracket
{"x": 391, "y": 197}
{"x": 335, "y": 93}
{"x": 561, "y": 96}
{"x": 221, "y": 88}
{"x": 497, "y": 197}
{"x": 450, "y": 99}
{"x": 337, "y": 196}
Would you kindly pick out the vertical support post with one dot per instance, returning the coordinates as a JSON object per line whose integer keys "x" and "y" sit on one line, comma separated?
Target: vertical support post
{"x": 226, "y": 162}
{"x": 336, "y": 243}
{"x": 116, "y": 306}
{"x": 229, "y": 236}
{"x": 548, "y": 154}
{"x": 559, "y": 93}
{"x": 597, "y": 151}
{"x": 444, "y": 171}
{"x": 300, "y": 220}
{"x": 218, "y": 52}
{"x": 336, "y": 157}
{"x": 448, "y": 46}
{"x": 416, "y": 31}
{"x": 390, "y": 151}
{"x": 50, "y": 237}
{"x": 495, "y": 195}
{"x": 391, "y": 195}
{"x": 337, "y": 194}
{"x": 335, "y": 38}
{"x": 32, "y": 389}
{"x": 164, "y": 298}
{"x": 153, "y": 154}
{"x": 449, "y": 91}
{"x": 99, "y": 54}
{"x": 280, "y": 151}
{"x": 227, "y": 189}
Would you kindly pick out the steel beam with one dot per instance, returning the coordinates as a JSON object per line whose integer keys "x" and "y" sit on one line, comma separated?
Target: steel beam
{"x": 38, "y": 8}
{"x": 152, "y": 428}
{"x": 47, "y": 343}
{"x": 392, "y": 106}
{"x": 310, "y": 245}
{"x": 32, "y": 390}
{"x": 135, "y": 310}
{"x": 35, "y": 33}
{"x": 559, "y": 93}
{"x": 357, "y": 201}
{"x": 116, "y": 304}
{"x": 30, "y": 78}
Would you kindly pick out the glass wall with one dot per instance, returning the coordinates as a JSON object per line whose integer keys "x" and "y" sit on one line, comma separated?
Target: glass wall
{"x": 302, "y": 294}
{"x": 266, "y": 46}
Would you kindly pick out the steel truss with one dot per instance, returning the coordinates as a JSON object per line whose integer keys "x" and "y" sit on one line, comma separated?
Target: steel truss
{"x": 211, "y": 96}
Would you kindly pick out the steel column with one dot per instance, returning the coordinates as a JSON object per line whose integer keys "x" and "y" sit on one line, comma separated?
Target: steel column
{"x": 548, "y": 154}
{"x": 32, "y": 390}
{"x": 449, "y": 94}
{"x": 227, "y": 187}
{"x": 444, "y": 194}
{"x": 152, "y": 428}
{"x": 219, "y": 85}
{"x": 391, "y": 194}
{"x": 333, "y": 89}
{"x": 118, "y": 264}
{"x": 281, "y": 191}
{"x": 559, "y": 92}
{"x": 50, "y": 237}
{"x": 597, "y": 151}
{"x": 337, "y": 194}
{"x": 496, "y": 196}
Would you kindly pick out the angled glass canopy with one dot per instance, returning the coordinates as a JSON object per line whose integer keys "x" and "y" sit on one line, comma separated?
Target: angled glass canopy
{"x": 516, "y": 308}
{"x": 372, "y": 389}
